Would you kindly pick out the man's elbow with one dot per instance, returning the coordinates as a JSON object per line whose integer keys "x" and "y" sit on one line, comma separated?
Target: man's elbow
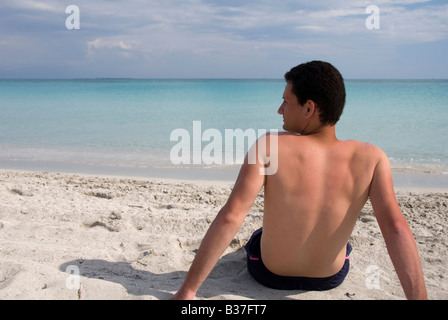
{"x": 398, "y": 232}
{"x": 231, "y": 216}
{"x": 400, "y": 228}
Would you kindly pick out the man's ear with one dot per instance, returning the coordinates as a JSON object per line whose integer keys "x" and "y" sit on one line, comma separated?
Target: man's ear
{"x": 310, "y": 108}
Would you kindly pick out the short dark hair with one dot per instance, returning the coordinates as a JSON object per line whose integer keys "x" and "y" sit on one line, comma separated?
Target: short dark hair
{"x": 322, "y": 83}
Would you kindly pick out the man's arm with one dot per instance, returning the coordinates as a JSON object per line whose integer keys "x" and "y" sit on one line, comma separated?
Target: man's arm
{"x": 223, "y": 229}
{"x": 396, "y": 232}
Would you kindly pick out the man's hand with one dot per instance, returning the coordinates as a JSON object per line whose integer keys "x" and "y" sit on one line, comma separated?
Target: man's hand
{"x": 183, "y": 294}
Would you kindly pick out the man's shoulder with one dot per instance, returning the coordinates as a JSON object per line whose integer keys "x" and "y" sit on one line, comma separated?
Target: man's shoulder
{"x": 367, "y": 150}
{"x": 365, "y": 147}
{"x": 361, "y": 148}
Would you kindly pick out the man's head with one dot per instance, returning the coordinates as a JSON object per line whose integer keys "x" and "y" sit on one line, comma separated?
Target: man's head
{"x": 321, "y": 83}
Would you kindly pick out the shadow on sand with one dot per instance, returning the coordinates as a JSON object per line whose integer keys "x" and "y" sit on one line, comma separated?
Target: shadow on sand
{"x": 229, "y": 277}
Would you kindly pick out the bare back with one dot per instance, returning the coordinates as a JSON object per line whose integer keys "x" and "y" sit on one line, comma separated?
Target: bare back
{"x": 312, "y": 203}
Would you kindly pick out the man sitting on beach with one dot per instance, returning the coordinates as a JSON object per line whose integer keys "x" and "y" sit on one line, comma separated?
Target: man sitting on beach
{"x": 312, "y": 202}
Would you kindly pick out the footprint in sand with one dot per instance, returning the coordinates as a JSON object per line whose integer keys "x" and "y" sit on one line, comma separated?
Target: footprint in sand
{"x": 8, "y": 271}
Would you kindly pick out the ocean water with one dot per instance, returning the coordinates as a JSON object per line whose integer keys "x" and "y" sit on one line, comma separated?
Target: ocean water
{"x": 127, "y": 123}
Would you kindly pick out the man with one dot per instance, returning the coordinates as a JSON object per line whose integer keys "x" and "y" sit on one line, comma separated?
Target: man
{"x": 312, "y": 202}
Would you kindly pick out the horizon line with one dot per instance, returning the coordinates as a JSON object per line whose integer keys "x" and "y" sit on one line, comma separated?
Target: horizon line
{"x": 205, "y": 78}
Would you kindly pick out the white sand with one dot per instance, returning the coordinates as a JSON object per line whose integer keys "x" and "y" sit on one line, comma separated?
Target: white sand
{"x": 135, "y": 239}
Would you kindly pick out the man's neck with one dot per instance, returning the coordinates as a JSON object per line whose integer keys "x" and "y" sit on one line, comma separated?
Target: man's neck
{"x": 323, "y": 133}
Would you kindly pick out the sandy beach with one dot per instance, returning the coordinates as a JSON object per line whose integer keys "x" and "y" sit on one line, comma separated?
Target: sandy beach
{"x": 69, "y": 237}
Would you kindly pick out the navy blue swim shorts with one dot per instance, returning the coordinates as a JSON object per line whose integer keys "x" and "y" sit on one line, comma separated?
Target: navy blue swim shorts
{"x": 260, "y": 273}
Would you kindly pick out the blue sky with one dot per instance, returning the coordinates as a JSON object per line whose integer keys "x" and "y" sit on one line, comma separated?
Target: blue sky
{"x": 221, "y": 38}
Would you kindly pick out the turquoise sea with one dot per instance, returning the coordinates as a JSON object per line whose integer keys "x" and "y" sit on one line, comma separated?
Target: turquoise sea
{"x": 124, "y": 125}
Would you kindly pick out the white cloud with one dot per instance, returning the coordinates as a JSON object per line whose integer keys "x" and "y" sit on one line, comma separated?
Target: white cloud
{"x": 108, "y": 43}
{"x": 244, "y": 33}
{"x": 415, "y": 26}
{"x": 37, "y": 5}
